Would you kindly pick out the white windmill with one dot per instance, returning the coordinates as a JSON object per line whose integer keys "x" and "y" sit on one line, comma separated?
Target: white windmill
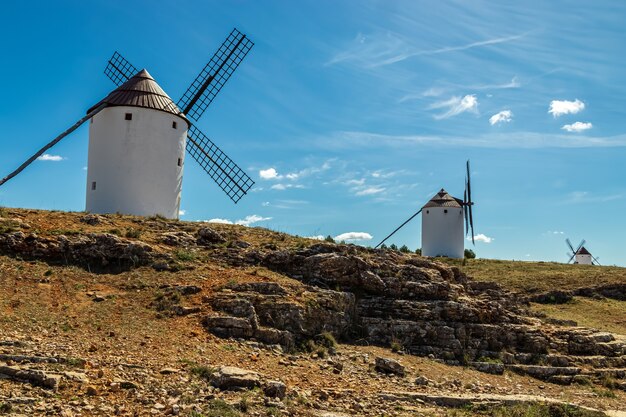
{"x": 580, "y": 255}
{"x": 443, "y": 217}
{"x": 138, "y": 137}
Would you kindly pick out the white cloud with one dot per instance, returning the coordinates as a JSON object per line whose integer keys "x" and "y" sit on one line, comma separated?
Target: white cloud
{"x": 577, "y": 127}
{"x": 554, "y": 232}
{"x": 355, "y": 182}
{"x": 370, "y": 191}
{"x": 220, "y": 221}
{"x": 456, "y": 105}
{"x": 282, "y": 187}
{"x": 317, "y": 237}
{"x": 504, "y": 116}
{"x": 350, "y": 236}
{"x": 265, "y": 203}
{"x": 268, "y": 174}
{"x": 182, "y": 212}
{"x": 561, "y": 107}
{"x": 247, "y": 221}
{"x": 251, "y": 220}
{"x": 48, "y": 157}
{"x": 481, "y": 238}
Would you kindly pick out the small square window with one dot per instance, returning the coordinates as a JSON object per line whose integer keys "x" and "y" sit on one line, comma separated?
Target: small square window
{"x": 129, "y": 116}
{"x": 174, "y": 125}
{"x": 93, "y": 185}
{"x": 445, "y": 210}
{"x": 180, "y": 162}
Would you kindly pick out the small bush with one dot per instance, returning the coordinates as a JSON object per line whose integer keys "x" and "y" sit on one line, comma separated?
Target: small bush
{"x": 185, "y": 255}
{"x": 396, "y": 346}
{"x": 469, "y": 254}
{"x": 393, "y": 246}
{"x": 132, "y": 233}
{"x": 220, "y": 408}
{"x": 418, "y": 251}
{"x": 5, "y": 408}
{"x": 405, "y": 249}
{"x": 327, "y": 340}
{"x": 202, "y": 371}
{"x": 329, "y": 239}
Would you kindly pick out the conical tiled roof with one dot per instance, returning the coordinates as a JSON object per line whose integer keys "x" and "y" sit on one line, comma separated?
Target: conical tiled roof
{"x": 583, "y": 251}
{"x": 141, "y": 91}
{"x": 443, "y": 199}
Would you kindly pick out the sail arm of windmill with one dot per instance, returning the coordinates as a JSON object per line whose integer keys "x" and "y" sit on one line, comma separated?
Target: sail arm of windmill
{"x": 215, "y": 74}
{"x": 52, "y": 143}
{"x": 398, "y": 228}
{"x": 119, "y": 70}
{"x": 220, "y": 167}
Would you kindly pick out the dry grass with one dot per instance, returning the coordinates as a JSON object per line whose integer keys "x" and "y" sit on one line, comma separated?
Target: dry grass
{"x": 608, "y": 315}
{"x": 540, "y": 276}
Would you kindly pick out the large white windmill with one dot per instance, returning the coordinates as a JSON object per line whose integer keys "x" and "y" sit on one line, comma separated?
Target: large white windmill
{"x": 138, "y": 137}
{"x": 443, "y": 217}
{"x": 580, "y": 255}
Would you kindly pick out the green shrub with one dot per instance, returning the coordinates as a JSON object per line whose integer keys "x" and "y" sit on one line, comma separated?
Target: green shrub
{"x": 404, "y": 249}
{"x": 185, "y": 255}
{"x": 132, "y": 233}
{"x": 469, "y": 254}
{"x": 329, "y": 239}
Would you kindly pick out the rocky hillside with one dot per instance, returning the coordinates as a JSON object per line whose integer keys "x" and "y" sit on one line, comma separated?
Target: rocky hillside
{"x": 124, "y": 315}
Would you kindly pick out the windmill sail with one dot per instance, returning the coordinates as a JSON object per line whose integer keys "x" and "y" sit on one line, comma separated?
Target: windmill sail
{"x": 56, "y": 140}
{"x": 224, "y": 171}
{"x": 214, "y": 75}
{"x": 119, "y": 70}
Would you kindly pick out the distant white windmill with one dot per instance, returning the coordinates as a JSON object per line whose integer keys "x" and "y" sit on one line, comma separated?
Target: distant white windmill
{"x": 443, "y": 217}
{"x": 580, "y": 255}
{"x": 138, "y": 138}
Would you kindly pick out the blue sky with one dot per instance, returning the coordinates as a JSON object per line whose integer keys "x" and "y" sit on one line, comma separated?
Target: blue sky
{"x": 351, "y": 115}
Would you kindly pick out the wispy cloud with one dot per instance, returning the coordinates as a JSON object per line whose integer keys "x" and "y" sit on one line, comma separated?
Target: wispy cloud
{"x": 554, "y": 233}
{"x": 524, "y": 140}
{"x": 317, "y": 237}
{"x": 581, "y": 197}
{"x": 380, "y": 49}
{"x": 220, "y": 221}
{"x": 577, "y": 127}
{"x": 268, "y": 174}
{"x": 456, "y": 105}
{"x": 369, "y": 191}
{"x": 561, "y": 107}
{"x": 504, "y": 116}
{"x": 182, "y": 212}
{"x": 353, "y": 236}
{"x": 48, "y": 157}
{"x": 481, "y": 238}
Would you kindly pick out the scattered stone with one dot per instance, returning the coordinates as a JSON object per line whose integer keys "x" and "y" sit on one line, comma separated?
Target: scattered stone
{"x": 230, "y": 377}
{"x": 33, "y": 376}
{"x": 422, "y": 381}
{"x": 91, "y": 390}
{"x": 275, "y": 389}
{"x": 389, "y": 366}
{"x": 206, "y": 235}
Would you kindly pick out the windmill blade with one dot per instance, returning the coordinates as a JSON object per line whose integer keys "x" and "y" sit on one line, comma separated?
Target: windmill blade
{"x": 582, "y": 242}
{"x": 595, "y": 260}
{"x": 470, "y": 203}
{"x": 569, "y": 243}
{"x": 398, "y": 228}
{"x": 119, "y": 70}
{"x": 214, "y": 75}
{"x": 224, "y": 171}
{"x": 54, "y": 142}
{"x": 571, "y": 257}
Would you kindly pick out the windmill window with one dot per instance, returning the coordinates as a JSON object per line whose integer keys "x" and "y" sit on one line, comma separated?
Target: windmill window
{"x": 445, "y": 210}
{"x": 180, "y": 162}
{"x": 174, "y": 125}
{"x": 427, "y": 211}
{"x": 93, "y": 185}
{"x": 129, "y": 116}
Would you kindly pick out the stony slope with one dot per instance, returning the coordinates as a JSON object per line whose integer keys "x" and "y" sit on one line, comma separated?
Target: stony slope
{"x": 128, "y": 315}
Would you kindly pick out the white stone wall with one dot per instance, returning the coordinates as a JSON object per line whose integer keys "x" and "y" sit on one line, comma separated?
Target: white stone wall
{"x": 442, "y": 232}
{"x": 584, "y": 259}
{"x": 134, "y": 164}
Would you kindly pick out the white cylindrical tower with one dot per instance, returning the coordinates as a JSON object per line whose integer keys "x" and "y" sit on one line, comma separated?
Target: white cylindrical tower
{"x": 136, "y": 152}
{"x": 442, "y": 227}
{"x": 583, "y": 257}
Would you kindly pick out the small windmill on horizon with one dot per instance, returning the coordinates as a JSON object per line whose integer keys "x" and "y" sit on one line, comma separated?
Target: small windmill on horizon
{"x": 580, "y": 255}
{"x": 443, "y": 217}
{"x": 138, "y": 137}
